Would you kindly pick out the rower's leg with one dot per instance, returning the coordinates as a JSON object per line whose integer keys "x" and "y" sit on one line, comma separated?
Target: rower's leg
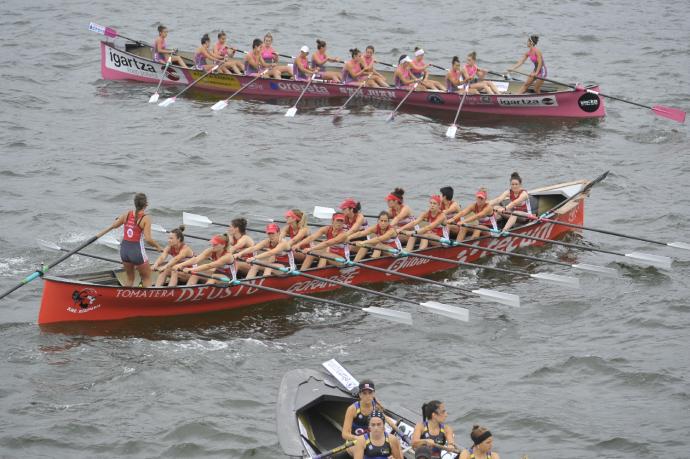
{"x": 179, "y": 61}
{"x": 509, "y": 224}
{"x": 376, "y": 253}
{"x": 423, "y": 244}
{"x": 174, "y": 275}
{"x": 476, "y": 233}
{"x": 252, "y": 272}
{"x": 537, "y": 86}
{"x": 410, "y": 244}
{"x": 322, "y": 262}
{"x": 308, "y": 260}
{"x": 461, "y": 234}
{"x": 361, "y": 253}
{"x": 145, "y": 274}
{"x": 129, "y": 271}
{"x": 161, "y": 278}
{"x": 193, "y": 280}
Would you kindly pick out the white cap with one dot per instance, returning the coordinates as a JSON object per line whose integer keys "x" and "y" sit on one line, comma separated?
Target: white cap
{"x": 406, "y": 59}
{"x": 419, "y": 52}
{"x": 304, "y": 49}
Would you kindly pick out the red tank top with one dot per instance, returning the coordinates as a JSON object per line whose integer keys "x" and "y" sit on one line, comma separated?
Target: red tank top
{"x": 430, "y": 219}
{"x": 175, "y": 252}
{"x": 132, "y": 230}
{"x": 521, "y": 207}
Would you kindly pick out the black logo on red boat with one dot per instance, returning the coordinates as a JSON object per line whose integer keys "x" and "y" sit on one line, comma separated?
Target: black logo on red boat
{"x": 589, "y": 102}
{"x": 435, "y": 99}
{"x": 84, "y": 298}
{"x": 171, "y": 74}
{"x": 547, "y": 101}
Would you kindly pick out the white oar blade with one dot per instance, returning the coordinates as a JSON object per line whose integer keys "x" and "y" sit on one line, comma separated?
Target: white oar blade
{"x": 154, "y": 98}
{"x": 569, "y": 281}
{"x": 499, "y": 297}
{"x": 48, "y": 245}
{"x": 390, "y": 118}
{"x": 292, "y": 111}
{"x": 167, "y": 102}
{"x": 158, "y": 228}
{"x": 220, "y": 105}
{"x": 325, "y": 213}
{"x": 390, "y": 314}
{"x": 452, "y": 130}
{"x": 446, "y": 310}
{"x": 109, "y": 241}
{"x": 679, "y": 245}
{"x": 654, "y": 260}
{"x": 196, "y": 220}
{"x": 596, "y": 269}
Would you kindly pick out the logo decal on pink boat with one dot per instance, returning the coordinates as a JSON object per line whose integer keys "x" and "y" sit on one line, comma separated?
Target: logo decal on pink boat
{"x": 529, "y": 101}
{"x": 589, "y": 102}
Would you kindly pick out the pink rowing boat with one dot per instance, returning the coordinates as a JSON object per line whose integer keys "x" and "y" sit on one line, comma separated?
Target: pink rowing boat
{"x": 555, "y": 102}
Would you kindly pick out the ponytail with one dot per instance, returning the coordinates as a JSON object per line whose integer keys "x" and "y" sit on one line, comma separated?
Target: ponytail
{"x": 428, "y": 409}
{"x": 179, "y": 232}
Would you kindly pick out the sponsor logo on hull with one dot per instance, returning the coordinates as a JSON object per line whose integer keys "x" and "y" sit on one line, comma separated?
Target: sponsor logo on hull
{"x": 589, "y": 102}
{"x": 83, "y": 301}
{"x": 298, "y": 87}
{"x": 367, "y": 93}
{"x": 132, "y": 65}
{"x": 527, "y": 101}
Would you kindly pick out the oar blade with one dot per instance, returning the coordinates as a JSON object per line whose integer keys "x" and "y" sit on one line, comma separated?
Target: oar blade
{"x": 391, "y": 117}
{"x": 196, "y": 220}
{"x": 679, "y": 245}
{"x": 451, "y": 131}
{"x": 325, "y": 213}
{"x": 220, "y": 105}
{"x": 167, "y": 102}
{"x": 595, "y": 269}
{"x": 154, "y": 98}
{"x": 292, "y": 111}
{"x": 569, "y": 281}
{"x": 499, "y": 297}
{"x": 446, "y": 310}
{"x": 659, "y": 261}
{"x": 158, "y": 228}
{"x": 670, "y": 113}
{"x": 390, "y": 314}
{"x": 109, "y": 241}
{"x": 48, "y": 245}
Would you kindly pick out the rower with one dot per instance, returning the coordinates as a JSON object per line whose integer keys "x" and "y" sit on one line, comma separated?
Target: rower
{"x": 177, "y": 250}
{"x": 222, "y": 262}
{"x": 161, "y": 51}
{"x": 368, "y": 60}
{"x": 403, "y": 74}
{"x": 482, "y": 444}
{"x": 254, "y": 64}
{"x": 335, "y": 244}
{"x": 419, "y": 70}
{"x": 449, "y": 207}
{"x": 477, "y": 75}
{"x": 400, "y": 213}
{"x": 223, "y": 50}
{"x": 356, "y": 422}
{"x": 204, "y": 52}
{"x": 271, "y": 57}
{"x": 354, "y": 72}
{"x": 354, "y": 219}
{"x": 377, "y": 444}
{"x": 137, "y": 229}
{"x": 385, "y": 237}
{"x": 303, "y": 71}
{"x": 519, "y": 202}
{"x": 295, "y": 231}
{"x": 276, "y": 252}
{"x": 238, "y": 240}
{"x": 456, "y": 78}
{"x": 482, "y": 212}
{"x": 432, "y": 431}
{"x": 537, "y": 59}
{"x": 434, "y": 221}
{"x": 319, "y": 60}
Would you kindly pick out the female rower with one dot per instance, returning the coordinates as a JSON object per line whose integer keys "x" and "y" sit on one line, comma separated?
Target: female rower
{"x": 483, "y": 213}
{"x": 319, "y": 60}
{"x": 271, "y": 57}
{"x": 254, "y": 64}
{"x": 449, "y": 207}
{"x": 356, "y": 422}
{"x": 419, "y": 70}
{"x": 274, "y": 250}
{"x": 539, "y": 71}
{"x": 303, "y": 71}
{"x": 482, "y": 444}
{"x": 377, "y": 444}
{"x": 204, "y": 52}
{"x": 400, "y": 212}
{"x": 368, "y": 61}
{"x": 403, "y": 74}
{"x": 434, "y": 225}
{"x": 432, "y": 431}
{"x": 353, "y": 70}
{"x": 456, "y": 78}
{"x": 477, "y": 75}
{"x": 239, "y": 240}
{"x": 223, "y": 50}
{"x": 295, "y": 231}
{"x": 519, "y": 202}
{"x": 222, "y": 262}
{"x": 178, "y": 250}
{"x": 161, "y": 51}
{"x": 335, "y": 244}
{"x": 385, "y": 238}
{"x": 137, "y": 229}
{"x": 354, "y": 218}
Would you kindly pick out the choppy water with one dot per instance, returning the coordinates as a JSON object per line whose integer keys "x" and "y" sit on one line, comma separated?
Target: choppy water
{"x": 601, "y": 371}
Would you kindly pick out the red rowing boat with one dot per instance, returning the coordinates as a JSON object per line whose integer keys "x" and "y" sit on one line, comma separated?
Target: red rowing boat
{"x": 99, "y": 296}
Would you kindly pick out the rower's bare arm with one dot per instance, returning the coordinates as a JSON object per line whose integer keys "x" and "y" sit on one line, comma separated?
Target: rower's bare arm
{"x": 359, "y": 448}
{"x": 347, "y": 424}
{"x": 147, "y": 234}
{"x": 395, "y": 447}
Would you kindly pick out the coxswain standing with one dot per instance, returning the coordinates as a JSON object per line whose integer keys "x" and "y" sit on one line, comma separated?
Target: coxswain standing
{"x": 539, "y": 71}
{"x": 137, "y": 229}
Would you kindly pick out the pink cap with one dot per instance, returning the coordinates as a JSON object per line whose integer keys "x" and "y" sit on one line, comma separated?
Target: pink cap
{"x": 272, "y": 228}
{"x": 338, "y": 216}
{"x": 436, "y": 198}
{"x": 218, "y": 240}
{"x": 349, "y": 203}
{"x": 481, "y": 194}
{"x": 291, "y": 214}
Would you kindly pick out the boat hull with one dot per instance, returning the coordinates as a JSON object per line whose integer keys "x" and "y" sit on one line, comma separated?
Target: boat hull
{"x": 117, "y": 64}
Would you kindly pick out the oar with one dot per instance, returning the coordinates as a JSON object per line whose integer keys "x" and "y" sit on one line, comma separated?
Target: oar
{"x": 221, "y": 104}
{"x": 293, "y": 110}
{"x": 337, "y": 117}
{"x": 549, "y": 277}
{"x": 112, "y": 33}
{"x": 447, "y": 310}
{"x": 491, "y": 295}
{"x": 154, "y": 96}
{"x": 392, "y": 114}
{"x": 390, "y": 314}
{"x": 171, "y": 100}
{"x": 159, "y": 229}
{"x": 44, "y": 269}
{"x": 660, "y": 110}
{"x": 452, "y": 130}
{"x": 56, "y": 248}
{"x": 334, "y": 451}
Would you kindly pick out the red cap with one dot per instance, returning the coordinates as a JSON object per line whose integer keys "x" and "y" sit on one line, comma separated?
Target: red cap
{"x": 272, "y": 228}
{"x": 481, "y": 194}
{"x": 291, "y": 214}
{"x": 349, "y": 203}
{"x": 338, "y": 216}
{"x": 218, "y": 240}
{"x": 436, "y": 198}
{"x": 392, "y": 197}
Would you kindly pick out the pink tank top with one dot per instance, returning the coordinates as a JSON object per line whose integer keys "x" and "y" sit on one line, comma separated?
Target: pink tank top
{"x": 268, "y": 54}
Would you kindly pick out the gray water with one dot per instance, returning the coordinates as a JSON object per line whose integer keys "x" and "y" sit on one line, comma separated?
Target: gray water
{"x": 600, "y": 371}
